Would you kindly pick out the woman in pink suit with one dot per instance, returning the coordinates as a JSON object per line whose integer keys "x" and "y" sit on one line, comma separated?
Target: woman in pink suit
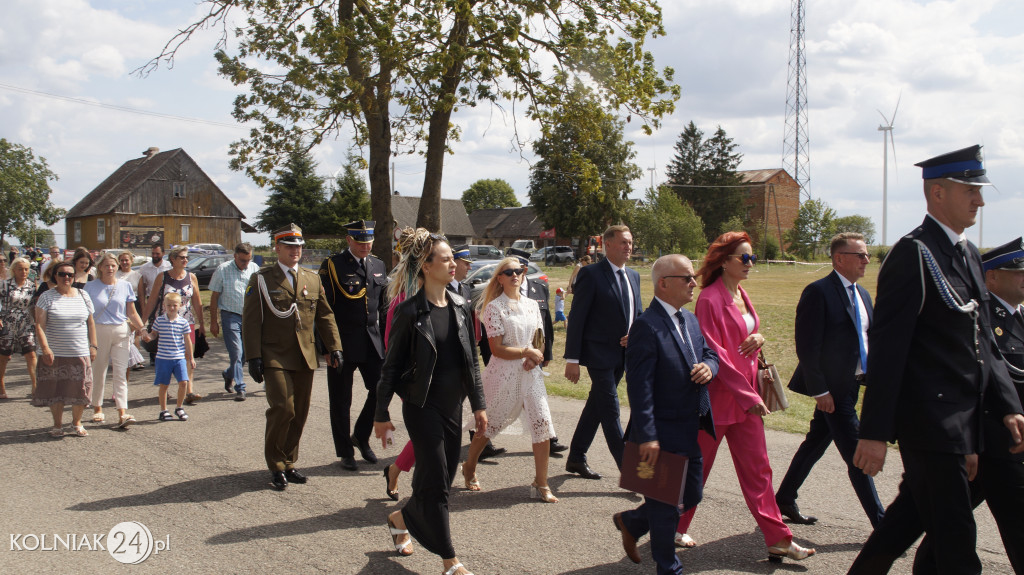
{"x": 730, "y": 325}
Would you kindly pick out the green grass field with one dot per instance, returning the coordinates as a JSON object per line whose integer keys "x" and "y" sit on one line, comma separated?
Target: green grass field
{"x": 773, "y": 289}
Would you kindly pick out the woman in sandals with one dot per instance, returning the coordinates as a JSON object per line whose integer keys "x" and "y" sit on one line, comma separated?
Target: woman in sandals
{"x": 513, "y": 381}
{"x": 184, "y": 283}
{"x": 66, "y": 336}
{"x": 113, "y": 302}
{"x": 431, "y": 328}
{"x": 18, "y": 323}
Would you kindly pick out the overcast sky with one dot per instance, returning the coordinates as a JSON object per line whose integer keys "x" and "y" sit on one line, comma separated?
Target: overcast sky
{"x": 957, "y": 64}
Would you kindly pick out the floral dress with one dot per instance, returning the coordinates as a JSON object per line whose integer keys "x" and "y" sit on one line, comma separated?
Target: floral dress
{"x": 509, "y": 389}
{"x": 19, "y": 331}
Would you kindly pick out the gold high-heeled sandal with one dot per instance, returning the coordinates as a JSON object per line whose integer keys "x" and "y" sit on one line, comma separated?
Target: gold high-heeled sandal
{"x": 792, "y": 551}
{"x": 471, "y": 484}
{"x": 542, "y": 493}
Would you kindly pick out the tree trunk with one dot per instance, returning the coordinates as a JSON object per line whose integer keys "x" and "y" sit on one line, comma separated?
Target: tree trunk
{"x": 379, "y": 129}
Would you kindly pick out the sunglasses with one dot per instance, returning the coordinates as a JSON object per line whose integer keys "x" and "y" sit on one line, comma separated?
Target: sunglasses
{"x": 745, "y": 258}
{"x": 511, "y": 272}
{"x": 65, "y": 274}
{"x": 860, "y": 255}
{"x": 440, "y": 237}
{"x": 686, "y": 279}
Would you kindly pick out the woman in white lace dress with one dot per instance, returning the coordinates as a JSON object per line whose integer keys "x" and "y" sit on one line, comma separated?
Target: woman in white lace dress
{"x": 513, "y": 382}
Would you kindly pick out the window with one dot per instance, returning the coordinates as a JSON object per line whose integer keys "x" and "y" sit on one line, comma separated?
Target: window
{"x": 179, "y": 189}
{"x": 78, "y": 232}
{"x": 101, "y": 230}
{"x": 184, "y": 233}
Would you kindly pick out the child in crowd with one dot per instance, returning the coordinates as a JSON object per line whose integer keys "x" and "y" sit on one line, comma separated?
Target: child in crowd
{"x": 559, "y": 305}
{"x": 173, "y": 349}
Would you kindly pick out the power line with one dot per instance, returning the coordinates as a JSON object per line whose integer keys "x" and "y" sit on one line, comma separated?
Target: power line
{"x": 121, "y": 108}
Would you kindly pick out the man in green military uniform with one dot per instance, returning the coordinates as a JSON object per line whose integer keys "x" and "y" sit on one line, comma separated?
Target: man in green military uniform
{"x": 283, "y": 304}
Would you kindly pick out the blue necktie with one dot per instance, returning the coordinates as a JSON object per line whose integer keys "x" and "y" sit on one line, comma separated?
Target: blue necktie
{"x": 860, "y": 329}
{"x": 703, "y": 401}
{"x": 624, "y": 295}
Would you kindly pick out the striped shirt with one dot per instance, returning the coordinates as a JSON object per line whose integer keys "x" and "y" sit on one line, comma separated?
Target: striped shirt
{"x": 231, "y": 282}
{"x": 171, "y": 343}
{"x": 66, "y": 331}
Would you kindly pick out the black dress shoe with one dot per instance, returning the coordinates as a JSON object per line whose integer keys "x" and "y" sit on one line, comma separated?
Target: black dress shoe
{"x": 349, "y": 463}
{"x": 582, "y": 469}
{"x": 491, "y": 451}
{"x": 227, "y": 382}
{"x": 792, "y": 512}
{"x": 279, "y": 481}
{"x": 364, "y": 450}
{"x": 294, "y": 476}
{"x": 556, "y": 447}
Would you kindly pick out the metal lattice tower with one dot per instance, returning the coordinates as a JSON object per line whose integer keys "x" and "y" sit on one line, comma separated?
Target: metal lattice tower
{"x": 795, "y": 142}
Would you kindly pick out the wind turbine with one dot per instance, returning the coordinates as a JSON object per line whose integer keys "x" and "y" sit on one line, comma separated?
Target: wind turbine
{"x": 887, "y": 139}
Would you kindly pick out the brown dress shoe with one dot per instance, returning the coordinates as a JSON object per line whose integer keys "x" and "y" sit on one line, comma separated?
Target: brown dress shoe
{"x": 628, "y": 541}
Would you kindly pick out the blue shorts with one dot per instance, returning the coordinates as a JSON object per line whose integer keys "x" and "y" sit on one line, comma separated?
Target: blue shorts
{"x": 166, "y": 367}
{"x": 559, "y": 316}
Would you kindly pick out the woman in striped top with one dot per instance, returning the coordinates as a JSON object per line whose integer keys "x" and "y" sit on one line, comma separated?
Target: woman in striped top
{"x": 67, "y": 340}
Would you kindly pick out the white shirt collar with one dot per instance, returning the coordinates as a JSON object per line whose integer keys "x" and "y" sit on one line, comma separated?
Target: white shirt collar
{"x": 1008, "y": 307}
{"x": 615, "y": 268}
{"x": 954, "y": 238}
{"x": 285, "y": 269}
{"x": 668, "y": 309}
{"x": 846, "y": 283}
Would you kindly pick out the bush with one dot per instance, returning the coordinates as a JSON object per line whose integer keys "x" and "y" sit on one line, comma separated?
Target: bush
{"x": 332, "y": 245}
{"x": 881, "y": 253}
{"x": 770, "y": 248}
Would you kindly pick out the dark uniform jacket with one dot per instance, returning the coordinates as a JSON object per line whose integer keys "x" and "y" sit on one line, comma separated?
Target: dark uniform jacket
{"x": 358, "y": 300}
{"x": 409, "y": 365}
{"x": 276, "y": 340}
{"x": 1009, "y": 335}
{"x": 926, "y": 384}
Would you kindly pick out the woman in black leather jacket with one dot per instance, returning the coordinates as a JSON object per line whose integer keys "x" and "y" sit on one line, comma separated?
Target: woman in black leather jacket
{"x": 431, "y": 364}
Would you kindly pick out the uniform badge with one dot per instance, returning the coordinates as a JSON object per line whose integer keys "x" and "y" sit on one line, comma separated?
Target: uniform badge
{"x": 999, "y": 331}
{"x": 1001, "y": 311}
{"x": 305, "y": 292}
{"x": 248, "y": 289}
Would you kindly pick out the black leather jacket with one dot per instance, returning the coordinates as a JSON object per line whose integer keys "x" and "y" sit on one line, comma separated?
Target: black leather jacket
{"x": 411, "y": 355}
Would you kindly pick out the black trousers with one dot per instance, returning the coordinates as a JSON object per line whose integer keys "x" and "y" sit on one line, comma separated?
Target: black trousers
{"x": 600, "y": 410}
{"x": 436, "y": 441}
{"x": 934, "y": 496}
{"x": 339, "y": 391}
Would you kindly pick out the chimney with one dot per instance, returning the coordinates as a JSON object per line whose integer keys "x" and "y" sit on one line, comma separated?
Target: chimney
{"x": 152, "y": 151}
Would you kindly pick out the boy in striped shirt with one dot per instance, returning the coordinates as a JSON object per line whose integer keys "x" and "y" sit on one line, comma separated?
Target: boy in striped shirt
{"x": 173, "y": 349}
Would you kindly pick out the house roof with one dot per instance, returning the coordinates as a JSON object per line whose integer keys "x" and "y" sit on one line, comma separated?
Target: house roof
{"x": 454, "y": 221}
{"x": 758, "y": 176}
{"x": 112, "y": 191}
{"x": 506, "y": 222}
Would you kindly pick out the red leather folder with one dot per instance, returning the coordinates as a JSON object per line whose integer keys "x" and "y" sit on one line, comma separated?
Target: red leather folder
{"x": 666, "y": 484}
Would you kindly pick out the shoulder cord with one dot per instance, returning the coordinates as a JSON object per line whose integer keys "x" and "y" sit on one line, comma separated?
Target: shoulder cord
{"x": 950, "y": 297}
{"x": 292, "y": 310}
{"x": 338, "y": 288}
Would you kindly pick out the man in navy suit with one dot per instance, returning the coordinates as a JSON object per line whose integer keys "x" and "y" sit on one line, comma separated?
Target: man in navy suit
{"x": 933, "y": 365}
{"x": 606, "y": 300}
{"x": 668, "y": 366}
{"x": 832, "y": 320}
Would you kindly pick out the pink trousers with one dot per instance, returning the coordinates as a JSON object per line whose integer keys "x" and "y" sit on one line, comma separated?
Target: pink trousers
{"x": 750, "y": 458}
{"x": 407, "y": 458}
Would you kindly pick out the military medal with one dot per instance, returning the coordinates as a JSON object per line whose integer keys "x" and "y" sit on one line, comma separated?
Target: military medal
{"x": 999, "y": 331}
{"x": 305, "y": 292}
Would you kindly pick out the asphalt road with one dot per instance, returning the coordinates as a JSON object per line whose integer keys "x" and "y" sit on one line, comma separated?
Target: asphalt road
{"x": 202, "y": 489}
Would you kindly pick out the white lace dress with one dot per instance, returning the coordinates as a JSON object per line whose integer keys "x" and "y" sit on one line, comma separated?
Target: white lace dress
{"x": 509, "y": 389}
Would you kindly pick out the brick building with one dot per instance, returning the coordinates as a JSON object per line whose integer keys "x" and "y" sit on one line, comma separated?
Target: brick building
{"x": 773, "y": 196}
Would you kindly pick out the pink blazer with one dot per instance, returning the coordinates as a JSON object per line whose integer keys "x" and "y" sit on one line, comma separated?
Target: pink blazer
{"x": 732, "y": 391}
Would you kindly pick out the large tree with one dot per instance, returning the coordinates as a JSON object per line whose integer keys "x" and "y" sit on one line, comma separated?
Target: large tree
{"x": 703, "y": 174}
{"x": 859, "y": 224}
{"x": 297, "y": 196}
{"x": 350, "y": 199}
{"x": 665, "y": 224}
{"x": 496, "y": 193}
{"x": 397, "y": 71}
{"x": 813, "y": 228}
{"x": 581, "y": 183}
{"x": 24, "y": 190}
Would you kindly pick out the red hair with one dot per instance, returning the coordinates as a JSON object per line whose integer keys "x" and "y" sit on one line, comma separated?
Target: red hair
{"x": 718, "y": 251}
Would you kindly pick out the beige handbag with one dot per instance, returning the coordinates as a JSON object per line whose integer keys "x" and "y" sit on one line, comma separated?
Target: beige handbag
{"x": 769, "y": 385}
{"x": 538, "y": 339}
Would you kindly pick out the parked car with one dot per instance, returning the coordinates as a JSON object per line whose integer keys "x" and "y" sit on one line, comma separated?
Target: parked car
{"x": 207, "y": 249}
{"x": 204, "y": 266}
{"x": 552, "y": 255}
{"x": 523, "y": 245}
{"x": 482, "y": 270}
{"x": 482, "y": 252}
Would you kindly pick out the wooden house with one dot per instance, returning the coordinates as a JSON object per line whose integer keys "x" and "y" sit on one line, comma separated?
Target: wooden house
{"x": 161, "y": 197}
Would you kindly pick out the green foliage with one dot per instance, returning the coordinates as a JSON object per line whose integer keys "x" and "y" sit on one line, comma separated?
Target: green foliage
{"x": 36, "y": 236}
{"x": 332, "y": 245}
{"x": 663, "y": 224}
{"x": 881, "y": 253}
{"x": 735, "y": 223}
{"x": 769, "y": 248}
{"x": 581, "y": 182}
{"x": 813, "y": 228}
{"x": 489, "y": 194}
{"x": 297, "y": 196}
{"x": 859, "y": 224}
{"x": 350, "y": 199}
{"x": 703, "y": 173}
{"x": 24, "y": 190}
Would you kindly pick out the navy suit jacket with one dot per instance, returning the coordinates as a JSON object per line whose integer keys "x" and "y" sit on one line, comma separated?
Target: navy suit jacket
{"x": 662, "y": 398}
{"x": 826, "y": 338}
{"x": 596, "y": 319}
